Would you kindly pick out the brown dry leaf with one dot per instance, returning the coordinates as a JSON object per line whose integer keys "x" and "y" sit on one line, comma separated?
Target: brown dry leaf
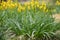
{"x": 57, "y": 17}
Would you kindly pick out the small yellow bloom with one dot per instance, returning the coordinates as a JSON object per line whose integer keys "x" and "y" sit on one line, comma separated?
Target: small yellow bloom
{"x": 27, "y": 3}
{"x": 47, "y": 10}
{"x": 19, "y": 10}
{"x": 41, "y": 7}
{"x": 1, "y": 8}
{"x": 12, "y": 5}
{"x": 23, "y": 8}
{"x": 32, "y": 3}
{"x": 57, "y": 3}
{"x": 38, "y": 5}
{"x": 32, "y": 0}
{"x": 29, "y": 7}
{"x": 43, "y": 3}
{"x": 36, "y": 2}
{"x": 44, "y": 8}
{"x": 15, "y": 4}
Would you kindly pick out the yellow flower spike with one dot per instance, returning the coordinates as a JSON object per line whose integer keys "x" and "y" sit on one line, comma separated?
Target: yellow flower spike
{"x": 36, "y": 2}
{"x": 44, "y": 8}
{"x": 20, "y": 7}
{"x": 33, "y": 7}
{"x": 18, "y": 4}
{"x": 47, "y": 10}
{"x": 8, "y": 5}
{"x": 1, "y": 8}
{"x": 19, "y": 10}
{"x": 43, "y": 3}
{"x": 32, "y": 0}
{"x": 4, "y": 7}
{"x": 41, "y": 7}
{"x": 57, "y": 3}
{"x": 15, "y": 4}
{"x": 9, "y": 1}
{"x": 3, "y": 4}
{"x": 23, "y": 8}
{"x": 32, "y": 3}
{"x": 29, "y": 7}
{"x": 12, "y": 5}
{"x": 26, "y": 3}
{"x": 38, "y": 5}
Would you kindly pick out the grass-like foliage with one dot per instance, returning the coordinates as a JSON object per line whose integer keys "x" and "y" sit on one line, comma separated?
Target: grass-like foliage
{"x": 33, "y": 20}
{"x": 34, "y": 25}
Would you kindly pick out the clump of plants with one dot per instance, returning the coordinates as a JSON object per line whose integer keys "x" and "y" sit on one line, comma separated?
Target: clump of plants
{"x": 27, "y": 22}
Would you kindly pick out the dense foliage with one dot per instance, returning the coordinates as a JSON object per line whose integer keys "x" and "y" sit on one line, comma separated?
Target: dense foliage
{"x": 33, "y": 20}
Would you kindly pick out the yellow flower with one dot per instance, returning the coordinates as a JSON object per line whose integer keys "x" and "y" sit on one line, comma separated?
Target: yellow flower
{"x": 36, "y": 2}
{"x": 23, "y": 8}
{"x": 43, "y": 3}
{"x": 38, "y": 5}
{"x": 41, "y": 7}
{"x": 57, "y": 3}
{"x": 19, "y": 10}
{"x": 27, "y": 3}
{"x": 12, "y": 5}
{"x": 29, "y": 7}
{"x": 15, "y": 4}
{"x": 32, "y": 3}
{"x": 19, "y": 7}
{"x": 9, "y": 1}
{"x": 47, "y": 10}
{"x": 3, "y": 4}
{"x": 1, "y": 8}
{"x": 32, "y": 0}
{"x": 44, "y": 8}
